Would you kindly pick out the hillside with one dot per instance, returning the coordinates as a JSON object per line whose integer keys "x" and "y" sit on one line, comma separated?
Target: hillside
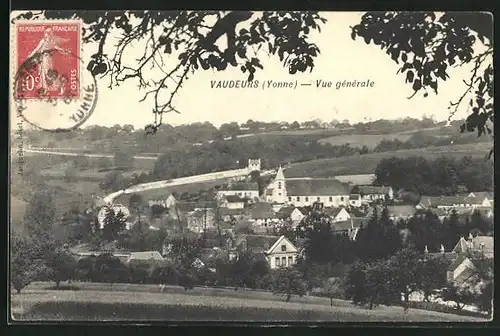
{"x": 366, "y": 164}
{"x": 17, "y": 210}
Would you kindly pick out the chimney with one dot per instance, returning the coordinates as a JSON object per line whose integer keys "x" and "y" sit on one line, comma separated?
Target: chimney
{"x": 442, "y": 249}
{"x": 426, "y": 251}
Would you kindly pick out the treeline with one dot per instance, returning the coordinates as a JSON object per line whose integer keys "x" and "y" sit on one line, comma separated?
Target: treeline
{"x": 386, "y": 263}
{"x": 442, "y": 176}
{"x": 170, "y": 136}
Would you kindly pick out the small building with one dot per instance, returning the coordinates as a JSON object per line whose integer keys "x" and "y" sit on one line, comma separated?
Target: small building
{"x": 282, "y": 253}
{"x": 349, "y": 228}
{"x": 145, "y": 258}
{"x": 248, "y": 190}
{"x": 371, "y": 193}
{"x": 338, "y": 214}
{"x": 355, "y": 200}
{"x": 263, "y": 214}
{"x": 397, "y": 212}
{"x": 232, "y": 202}
{"x": 481, "y": 198}
{"x": 483, "y": 244}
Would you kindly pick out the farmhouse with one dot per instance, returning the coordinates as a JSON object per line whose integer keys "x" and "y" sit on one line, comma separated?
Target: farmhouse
{"x": 248, "y": 190}
{"x": 282, "y": 253}
{"x": 263, "y": 214}
{"x": 291, "y": 213}
{"x": 370, "y": 193}
{"x": 232, "y": 202}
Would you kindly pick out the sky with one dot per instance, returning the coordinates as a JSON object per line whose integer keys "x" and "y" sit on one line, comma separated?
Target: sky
{"x": 341, "y": 58}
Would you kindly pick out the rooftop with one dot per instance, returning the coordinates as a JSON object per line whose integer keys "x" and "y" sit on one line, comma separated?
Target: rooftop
{"x": 316, "y": 187}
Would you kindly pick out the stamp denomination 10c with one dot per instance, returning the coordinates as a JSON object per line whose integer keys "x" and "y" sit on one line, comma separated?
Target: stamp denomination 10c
{"x": 48, "y": 60}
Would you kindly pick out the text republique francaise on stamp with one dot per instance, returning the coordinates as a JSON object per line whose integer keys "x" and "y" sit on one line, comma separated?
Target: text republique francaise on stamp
{"x": 52, "y": 90}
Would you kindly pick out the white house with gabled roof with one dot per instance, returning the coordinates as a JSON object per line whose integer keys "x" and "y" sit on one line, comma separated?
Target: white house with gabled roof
{"x": 282, "y": 253}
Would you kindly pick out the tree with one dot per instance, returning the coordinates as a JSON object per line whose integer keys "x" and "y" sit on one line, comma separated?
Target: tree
{"x": 70, "y": 175}
{"x": 81, "y": 162}
{"x": 333, "y": 288}
{"x": 61, "y": 265}
{"x": 113, "y": 224}
{"x": 164, "y": 273}
{"x": 185, "y": 248}
{"x": 432, "y": 275}
{"x": 23, "y": 268}
{"x": 123, "y": 160}
{"x": 288, "y": 282}
{"x": 104, "y": 163}
{"x": 428, "y": 44}
{"x": 379, "y": 239}
{"x": 458, "y": 294}
{"x": 113, "y": 181}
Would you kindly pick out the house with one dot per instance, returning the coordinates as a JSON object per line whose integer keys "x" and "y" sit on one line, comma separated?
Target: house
{"x": 232, "y": 215}
{"x": 263, "y": 214}
{"x": 397, "y": 212}
{"x": 370, "y": 193}
{"x": 460, "y": 271}
{"x": 252, "y": 243}
{"x": 306, "y": 191}
{"x": 232, "y": 202}
{"x": 147, "y": 257}
{"x": 248, "y": 190}
{"x": 445, "y": 202}
{"x": 348, "y": 227}
{"x": 282, "y": 253}
{"x": 338, "y": 214}
{"x": 481, "y": 198}
{"x": 482, "y": 244}
{"x": 355, "y": 200}
{"x": 201, "y": 220}
{"x": 290, "y": 213}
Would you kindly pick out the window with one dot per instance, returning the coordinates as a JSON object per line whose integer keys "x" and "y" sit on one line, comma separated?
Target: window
{"x": 279, "y": 194}
{"x": 283, "y": 248}
{"x": 277, "y": 261}
{"x": 279, "y": 185}
{"x": 290, "y": 260}
{"x": 331, "y": 199}
{"x": 283, "y": 261}
{"x": 290, "y": 198}
{"x": 319, "y": 199}
{"x": 298, "y": 198}
{"x": 307, "y": 199}
{"x": 342, "y": 199}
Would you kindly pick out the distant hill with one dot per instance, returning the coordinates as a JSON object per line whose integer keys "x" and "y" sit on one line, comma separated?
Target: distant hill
{"x": 366, "y": 164}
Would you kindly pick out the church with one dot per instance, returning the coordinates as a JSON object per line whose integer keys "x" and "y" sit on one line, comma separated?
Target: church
{"x": 306, "y": 191}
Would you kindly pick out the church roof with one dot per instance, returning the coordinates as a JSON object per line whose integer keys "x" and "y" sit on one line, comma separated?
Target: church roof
{"x": 315, "y": 187}
{"x": 279, "y": 174}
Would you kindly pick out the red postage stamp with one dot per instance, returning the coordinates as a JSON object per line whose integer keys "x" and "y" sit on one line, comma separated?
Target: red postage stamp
{"x": 48, "y": 60}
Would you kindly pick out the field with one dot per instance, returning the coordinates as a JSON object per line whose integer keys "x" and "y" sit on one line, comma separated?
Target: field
{"x": 162, "y": 193}
{"x": 366, "y": 164}
{"x": 368, "y": 140}
{"x": 102, "y": 302}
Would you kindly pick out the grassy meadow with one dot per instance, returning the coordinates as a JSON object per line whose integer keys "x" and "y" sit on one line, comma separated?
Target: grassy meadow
{"x": 366, "y": 164}
{"x": 99, "y": 302}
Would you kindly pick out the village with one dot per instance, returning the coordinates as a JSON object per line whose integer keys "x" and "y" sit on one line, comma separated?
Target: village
{"x": 253, "y": 221}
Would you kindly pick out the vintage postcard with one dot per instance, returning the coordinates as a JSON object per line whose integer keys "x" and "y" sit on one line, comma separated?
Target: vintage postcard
{"x": 243, "y": 166}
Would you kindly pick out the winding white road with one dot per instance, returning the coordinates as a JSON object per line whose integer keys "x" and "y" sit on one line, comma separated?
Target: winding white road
{"x": 181, "y": 180}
